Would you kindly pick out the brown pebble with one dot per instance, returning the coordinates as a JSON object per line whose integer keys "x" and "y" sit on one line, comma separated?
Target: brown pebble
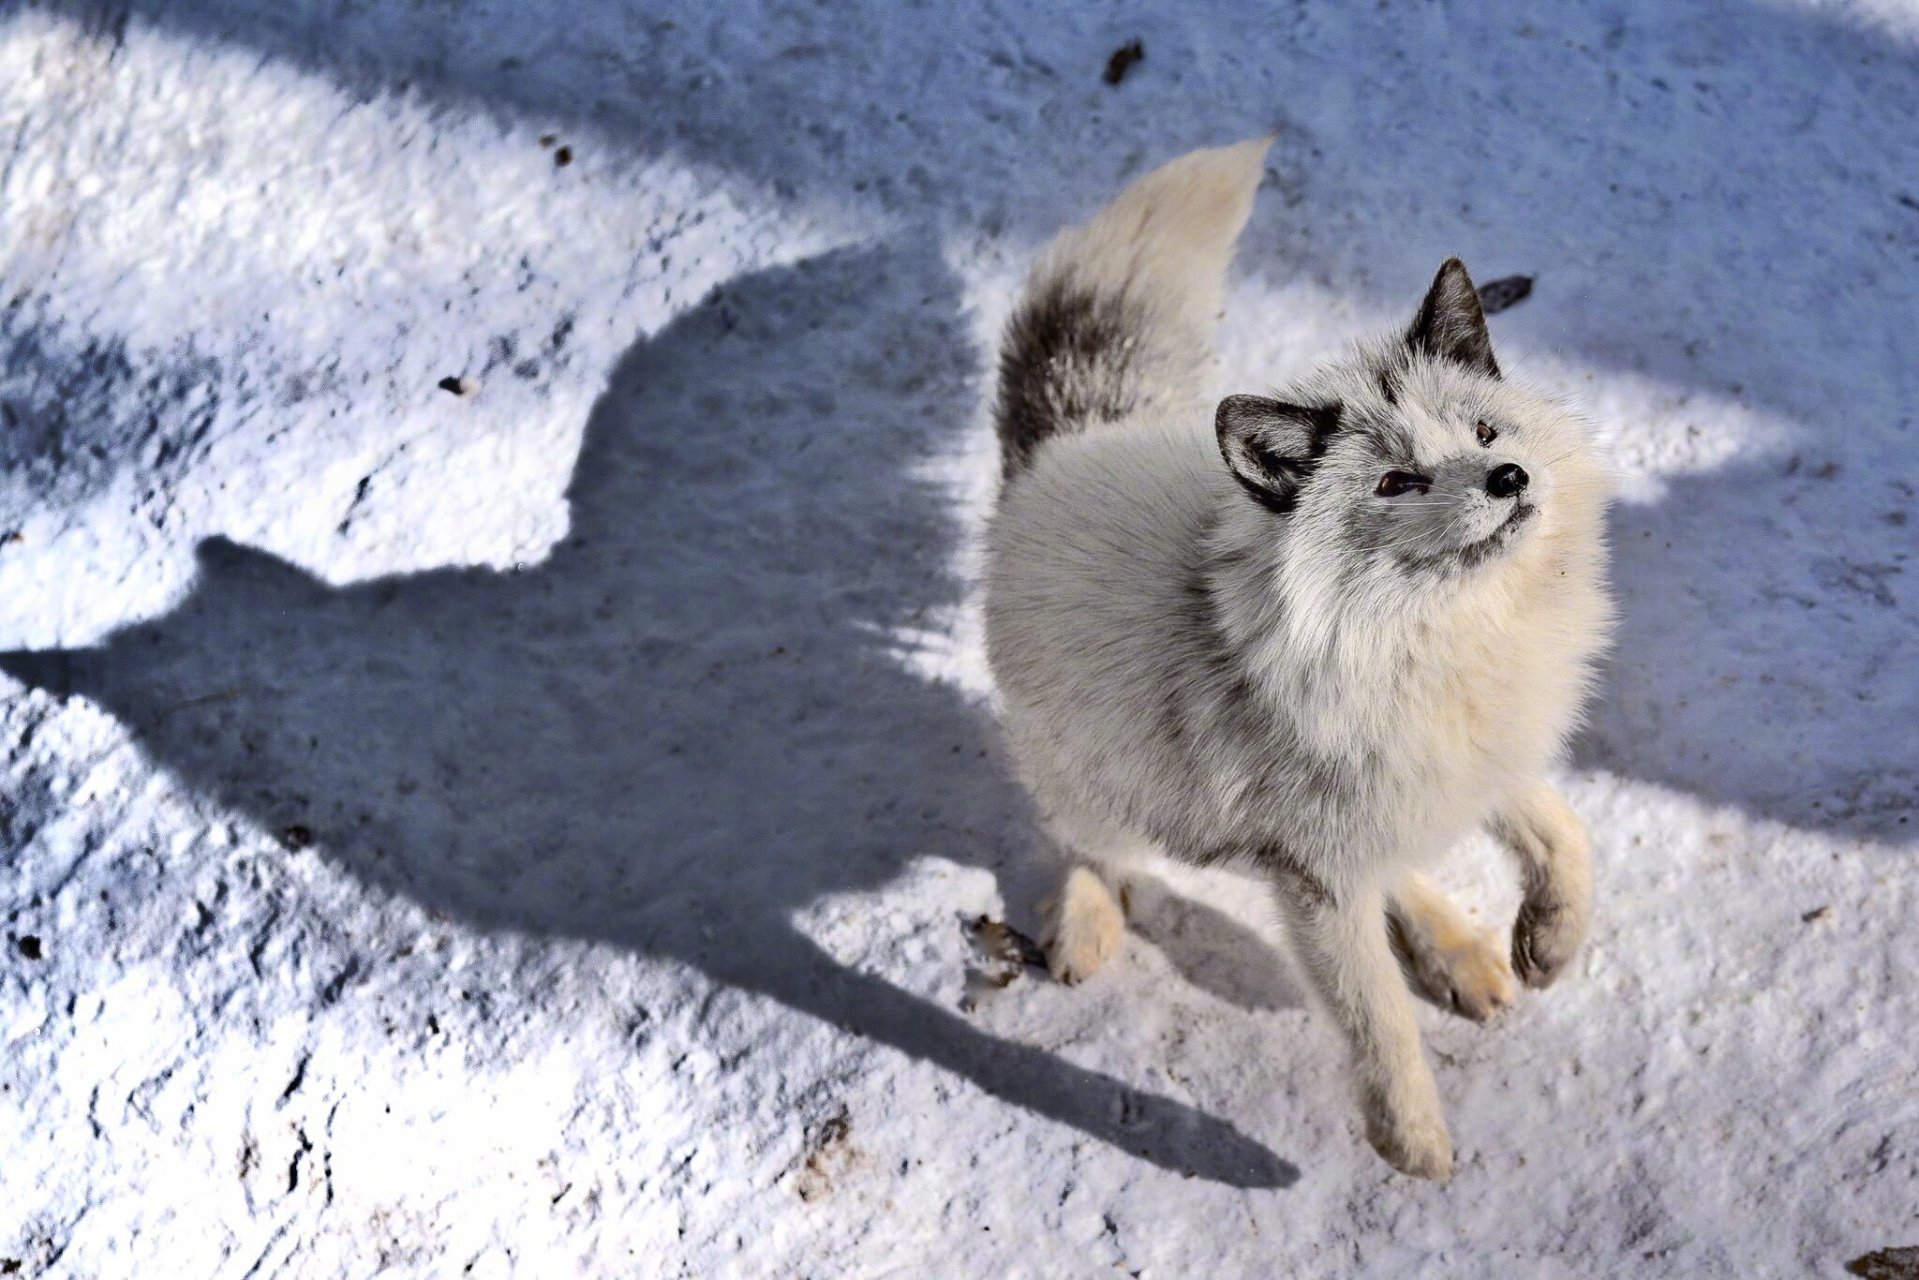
{"x": 1123, "y": 59}
{"x": 1887, "y": 1264}
{"x": 563, "y": 157}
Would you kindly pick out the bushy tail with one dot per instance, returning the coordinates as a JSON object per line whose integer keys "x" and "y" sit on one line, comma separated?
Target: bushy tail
{"x": 1117, "y": 316}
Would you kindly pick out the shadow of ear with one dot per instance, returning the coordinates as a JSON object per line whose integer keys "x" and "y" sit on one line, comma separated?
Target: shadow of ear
{"x": 1211, "y": 950}
{"x": 49, "y": 670}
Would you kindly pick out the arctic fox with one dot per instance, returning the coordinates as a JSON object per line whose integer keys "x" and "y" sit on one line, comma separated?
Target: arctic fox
{"x": 1321, "y": 636}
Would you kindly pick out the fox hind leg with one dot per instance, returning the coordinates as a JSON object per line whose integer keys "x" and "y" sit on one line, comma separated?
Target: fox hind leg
{"x": 1084, "y": 926}
{"x": 1085, "y": 922}
{"x": 1342, "y": 944}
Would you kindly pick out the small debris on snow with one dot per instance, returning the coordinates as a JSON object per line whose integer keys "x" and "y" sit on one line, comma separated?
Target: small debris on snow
{"x": 1507, "y": 291}
{"x": 1001, "y": 941}
{"x": 1816, "y": 915}
{"x": 29, "y": 945}
{"x": 1887, "y": 1264}
{"x": 1123, "y": 59}
{"x": 465, "y": 388}
{"x": 296, "y": 837}
{"x": 563, "y": 157}
{"x": 1006, "y": 951}
{"x": 829, "y": 1155}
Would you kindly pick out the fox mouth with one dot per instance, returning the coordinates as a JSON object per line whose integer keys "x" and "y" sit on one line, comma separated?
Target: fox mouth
{"x": 1476, "y": 552}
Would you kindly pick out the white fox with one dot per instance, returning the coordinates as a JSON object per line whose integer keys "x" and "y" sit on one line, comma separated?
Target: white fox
{"x": 1320, "y": 637}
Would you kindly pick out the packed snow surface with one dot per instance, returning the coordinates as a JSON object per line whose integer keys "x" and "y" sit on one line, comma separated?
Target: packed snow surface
{"x": 498, "y": 766}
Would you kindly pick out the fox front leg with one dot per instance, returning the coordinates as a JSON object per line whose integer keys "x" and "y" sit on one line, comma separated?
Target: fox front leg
{"x": 1448, "y": 959}
{"x": 1555, "y": 865}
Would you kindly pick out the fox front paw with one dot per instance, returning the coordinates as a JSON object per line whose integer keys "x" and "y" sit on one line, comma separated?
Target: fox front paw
{"x": 1468, "y": 975}
{"x": 1546, "y": 936}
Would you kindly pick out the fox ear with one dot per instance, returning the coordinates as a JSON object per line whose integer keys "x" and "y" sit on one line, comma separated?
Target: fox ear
{"x": 1271, "y": 447}
{"x": 1451, "y": 325}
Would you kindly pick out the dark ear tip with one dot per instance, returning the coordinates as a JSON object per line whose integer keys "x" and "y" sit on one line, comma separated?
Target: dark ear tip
{"x": 1451, "y": 323}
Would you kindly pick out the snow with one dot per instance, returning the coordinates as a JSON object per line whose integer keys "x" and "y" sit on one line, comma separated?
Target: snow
{"x": 535, "y": 831}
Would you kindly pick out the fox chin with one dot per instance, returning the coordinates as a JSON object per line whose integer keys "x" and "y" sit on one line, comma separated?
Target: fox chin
{"x": 1321, "y": 634}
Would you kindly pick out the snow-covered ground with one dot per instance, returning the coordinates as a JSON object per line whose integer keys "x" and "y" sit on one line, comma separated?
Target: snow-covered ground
{"x": 532, "y": 829}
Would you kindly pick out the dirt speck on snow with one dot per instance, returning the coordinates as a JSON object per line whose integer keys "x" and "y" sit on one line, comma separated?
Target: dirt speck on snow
{"x": 1507, "y": 291}
{"x": 1887, "y": 1264}
{"x": 1123, "y": 59}
{"x": 1005, "y": 953}
{"x": 830, "y": 1155}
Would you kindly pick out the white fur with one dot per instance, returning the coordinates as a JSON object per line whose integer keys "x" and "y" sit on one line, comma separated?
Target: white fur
{"x": 1182, "y": 668}
{"x": 1163, "y": 244}
{"x": 1084, "y": 925}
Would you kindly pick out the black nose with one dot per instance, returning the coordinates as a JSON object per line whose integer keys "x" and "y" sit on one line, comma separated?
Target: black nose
{"x": 1506, "y": 480}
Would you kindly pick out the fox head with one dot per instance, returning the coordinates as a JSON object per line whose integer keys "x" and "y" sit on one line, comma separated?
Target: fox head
{"x": 1413, "y": 466}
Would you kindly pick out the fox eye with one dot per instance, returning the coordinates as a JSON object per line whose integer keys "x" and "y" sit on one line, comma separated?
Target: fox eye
{"x": 1485, "y": 433}
{"x": 1394, "y": 483}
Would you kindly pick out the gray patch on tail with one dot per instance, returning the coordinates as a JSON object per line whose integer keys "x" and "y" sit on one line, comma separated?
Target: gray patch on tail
{"x": 1069, "y": 361}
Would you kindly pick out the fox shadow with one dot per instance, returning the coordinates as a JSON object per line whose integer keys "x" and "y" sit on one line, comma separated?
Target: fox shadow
{"x": 683, "y": 726}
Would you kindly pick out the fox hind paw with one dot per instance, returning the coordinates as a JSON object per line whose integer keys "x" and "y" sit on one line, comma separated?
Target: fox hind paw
{"x": 1084, "y": 926}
